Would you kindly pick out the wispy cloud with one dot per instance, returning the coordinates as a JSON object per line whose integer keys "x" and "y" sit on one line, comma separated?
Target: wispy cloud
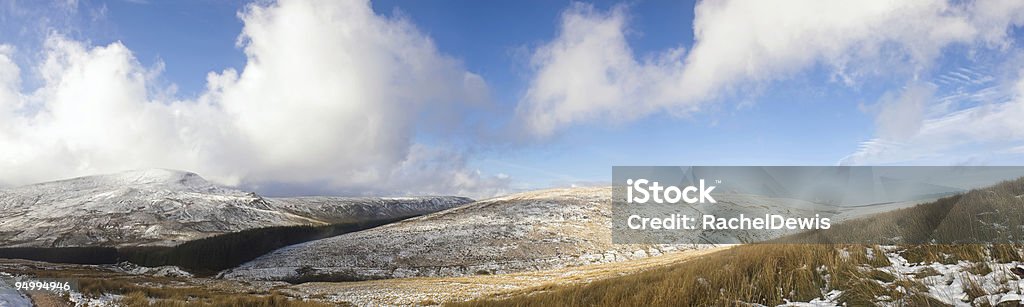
{"x": 982, "y": 133}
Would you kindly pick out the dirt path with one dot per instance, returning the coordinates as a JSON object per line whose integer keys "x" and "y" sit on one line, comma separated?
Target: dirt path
{"x": 437, "y": 290}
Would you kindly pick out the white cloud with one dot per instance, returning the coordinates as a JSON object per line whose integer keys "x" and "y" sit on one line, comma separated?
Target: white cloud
{"x": 589, "y": 73}
{"x": 901, "y": 116}
{"x": 331, "y": 93}
{"x": 989, "y": 133}
{"x": 10, "y": 82}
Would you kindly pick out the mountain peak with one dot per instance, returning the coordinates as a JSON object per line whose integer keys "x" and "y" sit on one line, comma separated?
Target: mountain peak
{"x": 158, "y": 178}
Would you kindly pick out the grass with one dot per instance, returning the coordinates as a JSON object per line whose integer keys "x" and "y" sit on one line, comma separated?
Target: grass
{"x": 981, "y": 216}
{"x": 972, "y": 287}
{"x": 882, "y": 276}
{"x": 765, "y": 274}
{"x": 980, "y": 268}
{"x": 926, "y": 272}
{"x": 146, "y": 294}
{"x": 771, "y": 274}
{"x": 945, "y": 253}
{"x": 913, "y": 225}
{"x": 136, "y": 290}
{"x": 141, "y": 299}
{"x": 1006, "y": 253}
{"x": 877, "y": 258}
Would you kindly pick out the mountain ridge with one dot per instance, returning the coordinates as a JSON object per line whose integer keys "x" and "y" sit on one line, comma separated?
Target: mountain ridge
{"x": 166, "y": 207}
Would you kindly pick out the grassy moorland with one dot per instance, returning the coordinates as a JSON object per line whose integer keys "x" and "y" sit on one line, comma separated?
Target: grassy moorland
{"x": 851, "y": 274}
{"x": 766, "y": 274}
{"x": 990, "y": 215}
{"x": 772, "y": 274}
{"x": 141, "y": 290}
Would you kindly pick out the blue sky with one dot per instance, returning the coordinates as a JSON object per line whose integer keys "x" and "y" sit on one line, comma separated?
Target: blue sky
{"x": 813, "y": 91}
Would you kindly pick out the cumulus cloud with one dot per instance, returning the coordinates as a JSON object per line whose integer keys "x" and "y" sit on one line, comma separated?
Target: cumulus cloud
{"x": 331, "y": 93}
{"x": 589, "y": 73}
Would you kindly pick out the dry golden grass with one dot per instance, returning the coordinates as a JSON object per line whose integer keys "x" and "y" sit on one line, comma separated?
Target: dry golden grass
{"x": 138, "y": 290}
{"x": 980, "y": 268}
{"x": 763, "y": 274}
{"x": 991, "y": 215}
{"x": 49, "y": 299}
{"x": 972, "y": 287}
{"x": 771, "y": 274}
{"x": 945, "y": 253}
{"x": 767, "y": 274}
{"x": 139, "y": 295}
{"x": 438, "y": 290}
{"x": 140, "y": 299}
{"x": 1006, "y": 253}
{"x": 913, "y": 225}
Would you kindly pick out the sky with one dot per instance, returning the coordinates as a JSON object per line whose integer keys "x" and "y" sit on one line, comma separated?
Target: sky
{"x": 395, "y": 97}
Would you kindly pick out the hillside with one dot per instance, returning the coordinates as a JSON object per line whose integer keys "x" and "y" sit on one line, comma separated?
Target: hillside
{"x": 993, "y": 214}
{"x": 527, "y": 231}
{"x": 520, "y": 232}
{"x": 815, "y": 275}
{"x": 167, "y": 207}
{"x": 975, "y": 263}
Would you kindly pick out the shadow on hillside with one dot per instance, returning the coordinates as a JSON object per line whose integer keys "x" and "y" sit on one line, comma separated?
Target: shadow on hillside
{"x": 202, "y": 257}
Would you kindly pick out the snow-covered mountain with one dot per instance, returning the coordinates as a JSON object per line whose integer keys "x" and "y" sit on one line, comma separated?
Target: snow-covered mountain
{"x": 519, "y": 232}
{"x": 166, "y": 207}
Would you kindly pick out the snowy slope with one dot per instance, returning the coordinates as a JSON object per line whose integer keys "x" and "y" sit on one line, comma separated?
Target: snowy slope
{"x": 165, "y": 207}
{"x": 519, "y": 232}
